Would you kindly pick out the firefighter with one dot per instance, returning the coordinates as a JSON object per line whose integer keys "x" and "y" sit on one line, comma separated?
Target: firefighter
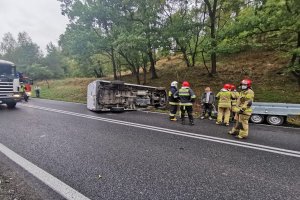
{"x": 23, "y": 91}
{"x": 234, "y": 97}
{"x": 244, "y": 103}
{"x": 173, "y": 100}
{"x": 224, "y": 104}
{"x": 187, "y": 97}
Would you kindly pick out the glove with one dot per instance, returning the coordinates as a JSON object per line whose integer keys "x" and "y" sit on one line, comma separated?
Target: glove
{"x": 241, "y": 111}
{"x": 249, "y": 104}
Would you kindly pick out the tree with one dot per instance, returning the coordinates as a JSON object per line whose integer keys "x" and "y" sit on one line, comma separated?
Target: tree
{"x": 54, "y": 61}
{"x": 27, "y": 52}
{"x": 98, "y": 16}
{"x": 8, "y": 47}
{"x": 183, "y": 28}
{"x": 269, "y": 24}
{"x": 212, "y": 12}
{"x": 39, "y": 72}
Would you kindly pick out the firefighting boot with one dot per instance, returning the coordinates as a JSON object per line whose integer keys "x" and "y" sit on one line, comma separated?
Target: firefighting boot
{"x": 192, "y": 122}
{"x": 233, "y": 132}
{"x": 182, "y": 121}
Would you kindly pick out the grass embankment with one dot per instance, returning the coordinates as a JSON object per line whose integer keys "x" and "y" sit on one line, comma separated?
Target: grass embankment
{"x": 266, "y": 69}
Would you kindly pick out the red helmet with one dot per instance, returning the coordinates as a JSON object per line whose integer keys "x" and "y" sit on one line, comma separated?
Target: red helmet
{"x": 185, "y": 84}
{"x": 227, "y": 86}
{"x": 232, "y": 87}
{"x": 247, "y": 82}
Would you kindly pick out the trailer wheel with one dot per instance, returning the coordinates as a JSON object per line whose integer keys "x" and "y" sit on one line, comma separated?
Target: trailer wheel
{"x": 257, "y": 119}
{"x": 11, "y": 105}
{"x": 275, "y": 120}
{"x": 117, "y": 109}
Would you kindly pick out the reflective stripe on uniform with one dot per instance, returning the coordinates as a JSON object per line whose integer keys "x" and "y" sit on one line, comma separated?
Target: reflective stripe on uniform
{"x": 186, "y": 104}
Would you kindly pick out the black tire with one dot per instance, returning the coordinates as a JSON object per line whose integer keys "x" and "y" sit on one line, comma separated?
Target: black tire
{"x": 275, "y": 120}
{"x": 11, "y": 105}
{"x": 257, "y": 119}
{"x": 117, "y": 109}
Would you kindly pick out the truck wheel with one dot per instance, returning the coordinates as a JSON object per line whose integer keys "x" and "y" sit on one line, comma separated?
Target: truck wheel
{"x": 11, "y": 105}
{"x": 257, "y": 119}
{"x": 117, "y": 109}
{"x": 275, "y": 120}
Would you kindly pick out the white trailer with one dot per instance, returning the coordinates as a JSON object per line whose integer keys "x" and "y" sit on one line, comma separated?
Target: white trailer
{"x": 273, "y": 113}
{"x": 118, "y": 96}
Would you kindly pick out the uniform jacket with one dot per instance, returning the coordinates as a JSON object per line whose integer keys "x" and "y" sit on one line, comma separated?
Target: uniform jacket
{"x": 173, "y": 100}
{"x": 186, "y": 96}
{"x": 245, "y": 101}
{"x": 211, "y": 99}
{"x": 224, "y": 97}
{"x": 234, "y": 97}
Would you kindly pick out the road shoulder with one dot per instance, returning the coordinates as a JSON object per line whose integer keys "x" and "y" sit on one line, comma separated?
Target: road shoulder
{"x": 12, "y": 186}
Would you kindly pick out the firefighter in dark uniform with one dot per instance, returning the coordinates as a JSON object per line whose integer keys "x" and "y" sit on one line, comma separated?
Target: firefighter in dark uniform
{"x": 187, "y": 97}
{"x": 173, "y": 100}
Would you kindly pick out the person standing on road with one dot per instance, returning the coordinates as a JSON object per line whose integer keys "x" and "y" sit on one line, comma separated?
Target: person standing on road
{"x": 173, "y": 100}
{"x": 37, "y": 91}
{"x": 244, "y": 103}
{"x": 23, "y": 91}
{"x": 234, "y": 97}
{"x": 187, "y": 97}
{"x": 224, "y": 105}
{"x": 207, "y": 101}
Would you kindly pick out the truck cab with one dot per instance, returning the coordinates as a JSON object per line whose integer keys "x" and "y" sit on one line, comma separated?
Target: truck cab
{"x": 9, "y": 84}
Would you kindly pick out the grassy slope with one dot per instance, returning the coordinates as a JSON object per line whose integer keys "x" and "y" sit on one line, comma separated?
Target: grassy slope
{"x": 264, "y": 68}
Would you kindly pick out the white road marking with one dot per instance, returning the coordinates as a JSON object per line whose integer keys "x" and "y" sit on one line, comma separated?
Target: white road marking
{"x": 60, "y": 187}
{"x": 176, "y": 132}
{"x": 161, "y": 113}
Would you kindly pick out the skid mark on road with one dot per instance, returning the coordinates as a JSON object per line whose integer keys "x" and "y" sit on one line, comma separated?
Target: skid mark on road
{"x": 275, "y": 150}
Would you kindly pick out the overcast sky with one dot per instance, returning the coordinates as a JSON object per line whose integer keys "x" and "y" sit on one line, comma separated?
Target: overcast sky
{"x": 41, "y": 19}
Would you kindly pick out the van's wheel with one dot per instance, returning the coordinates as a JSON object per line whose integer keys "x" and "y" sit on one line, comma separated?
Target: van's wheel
{"x": 257, "y": 119}
{"x": 275, "y": 120}
{"x": 117, "y": 109}
{"x": 11, "y": 105}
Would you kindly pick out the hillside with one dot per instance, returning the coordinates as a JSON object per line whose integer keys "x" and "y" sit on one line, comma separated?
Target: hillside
{"x": 266, "y": 69}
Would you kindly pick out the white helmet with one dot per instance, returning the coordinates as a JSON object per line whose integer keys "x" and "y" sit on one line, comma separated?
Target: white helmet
{"x": 174, "y": 84}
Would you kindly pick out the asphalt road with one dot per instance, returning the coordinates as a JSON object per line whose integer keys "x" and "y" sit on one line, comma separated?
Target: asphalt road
{"x": 139, "y": 155}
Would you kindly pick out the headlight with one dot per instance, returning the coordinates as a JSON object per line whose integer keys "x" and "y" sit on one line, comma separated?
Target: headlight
{"x": 16, "y": 95}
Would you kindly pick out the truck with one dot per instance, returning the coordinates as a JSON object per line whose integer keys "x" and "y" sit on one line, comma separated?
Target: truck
{"x": 118, "y": 96}
{"x": 9, "y": 84}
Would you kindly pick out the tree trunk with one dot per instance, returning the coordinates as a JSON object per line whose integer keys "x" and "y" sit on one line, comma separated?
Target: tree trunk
{"x": 152, "y": 62}
{"x": 212, "y": 10}
{"x": 114, "y": 63}
{"x": 184, "y": 52}
{"x": 295, "y": 56}
{"x": 137, "y": 75}
{"x": 145, "y": 73}
{"x": 213, "y": 55}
